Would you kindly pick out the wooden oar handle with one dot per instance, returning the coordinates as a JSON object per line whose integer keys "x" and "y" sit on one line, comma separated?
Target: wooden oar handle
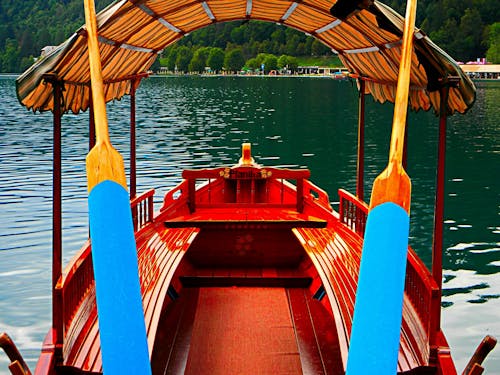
{"x": 103, "y": 161}
{"x": 403, "y": 87}
{"x": 100, "y": 116}
{"x": 393, "y": 184}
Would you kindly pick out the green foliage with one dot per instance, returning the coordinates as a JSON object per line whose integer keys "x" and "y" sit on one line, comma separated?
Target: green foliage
{"x": 319, "y": 49}
{"x": 199, "y": 60}
{"x": 252, "y": 64}
{"x": 493, "y": 53}
{"x": 29, "y": 25}
{"x": 9, "y": 59}
{"x": 270, "y": 63}
{"x": 171, "y": 58}
{"x": 288, "y": 62}
{"x": 234, "y": 60}
{"x": 184, "y": 56}
{"x": 216, "y": 59}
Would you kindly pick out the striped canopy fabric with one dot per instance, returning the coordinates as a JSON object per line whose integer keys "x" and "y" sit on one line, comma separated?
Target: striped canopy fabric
{"x": 366, "y": 34}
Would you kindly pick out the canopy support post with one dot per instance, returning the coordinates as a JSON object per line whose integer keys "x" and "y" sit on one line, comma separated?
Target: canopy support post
{"x": 360, "y": 165}
{"x": 133, "y": 170}
{"x": 437, "y": 243}
{"x": 57, "y": 308}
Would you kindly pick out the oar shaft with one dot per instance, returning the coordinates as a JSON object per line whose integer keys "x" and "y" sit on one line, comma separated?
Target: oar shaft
{"x": 122, "y": 330}
{"x": 100, "y": 116}
{"x": 403, "y": 87}
{"x": 375, "y": 335}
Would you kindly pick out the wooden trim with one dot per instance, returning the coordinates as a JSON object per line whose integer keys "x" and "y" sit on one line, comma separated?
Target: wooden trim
{"x": 247, "y": 224}
{"x": 57, "y": 313}
{"x": 133, "y": 166}
{"x": 437, "y": 238}
{"x": 360, "y": 165}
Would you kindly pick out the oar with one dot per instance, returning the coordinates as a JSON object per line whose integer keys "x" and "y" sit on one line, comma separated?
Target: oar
{"x": 375, "y": 336}
{"x": 122, "y": 329}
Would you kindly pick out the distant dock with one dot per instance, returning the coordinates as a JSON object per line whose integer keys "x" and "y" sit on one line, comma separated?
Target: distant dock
{"x": 482, "y": 71}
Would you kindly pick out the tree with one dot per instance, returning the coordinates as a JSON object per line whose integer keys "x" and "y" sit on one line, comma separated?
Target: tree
{"x": 238, "y": 35}
{"x": 199, "y": 60}
{"x": 234, "y": 60}
{"x": 460, "y": 27}
{"x": 291, "y": 45}
{"x": 293, "y": 63}
{"x": 216, "y": 59}
{"x": 26, "y": 46}
{"x": 184, "y": 56}
{"x": 9, "y": 59}
{"x": 156, "y": 65}
{"x": 468, "y": 39}
{"x": 318, "y": 48}
{"x": 288, "y": 62}
{"x": 171, "y": 59}
{"x": 493, "y": 53}
{"x": 283, "y": 61}
{"x": 261, "y": 57}
{"x": 270, "y": 63}
{"x": 252, "y": 64}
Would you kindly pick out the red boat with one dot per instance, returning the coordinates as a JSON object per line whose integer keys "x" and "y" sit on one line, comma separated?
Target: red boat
{"x": 245, "y": 269}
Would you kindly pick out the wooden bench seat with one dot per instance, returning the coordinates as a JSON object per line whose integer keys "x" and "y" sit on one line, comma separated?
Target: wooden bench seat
{"x": 247, "y": 224}
{"x": 251, "y": 277}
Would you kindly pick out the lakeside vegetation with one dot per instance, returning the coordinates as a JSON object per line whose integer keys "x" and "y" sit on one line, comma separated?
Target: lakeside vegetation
{"x": 466, "y": 29}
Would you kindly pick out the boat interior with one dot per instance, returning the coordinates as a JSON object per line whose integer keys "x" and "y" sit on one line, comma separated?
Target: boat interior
{"x": 232, "y": 261}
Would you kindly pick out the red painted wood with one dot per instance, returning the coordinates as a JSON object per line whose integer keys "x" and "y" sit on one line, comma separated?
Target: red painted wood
{"x": 57, "y": 323}
{"x": 247, "y": 243}
{"x": 437, "y": 239}
{"x": 159, "y": 255}
{"x": 46, "y": 362}
{"x": 171, "y": 349}
{"x": 316, "y": 334}
{"x": 360, "y": 165}
{"x": 251, "y": 330}
{"x": 133, "y": 167}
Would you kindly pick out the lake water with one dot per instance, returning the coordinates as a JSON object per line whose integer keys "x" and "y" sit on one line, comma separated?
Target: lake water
{"x": 188, "y": 122}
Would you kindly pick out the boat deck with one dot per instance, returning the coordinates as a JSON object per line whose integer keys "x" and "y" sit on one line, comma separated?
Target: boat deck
{"x": 256, "y": 330}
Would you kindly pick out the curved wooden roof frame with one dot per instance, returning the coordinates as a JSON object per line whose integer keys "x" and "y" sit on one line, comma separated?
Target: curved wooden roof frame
{"x": 366, "y": 34}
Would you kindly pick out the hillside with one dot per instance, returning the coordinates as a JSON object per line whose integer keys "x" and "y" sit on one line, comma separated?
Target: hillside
{"x": 467, "y": 29}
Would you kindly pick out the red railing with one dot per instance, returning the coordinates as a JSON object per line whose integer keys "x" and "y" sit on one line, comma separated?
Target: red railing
{"x": 75, "y": 284}
{"x": 318, "y": 195}
{"x": 176, "y": 193}
{"x": 79, "y": 278}
{"x": 421, "y": 289}
{"x": 142, "y": 209}
{"x": 353, "y": 212}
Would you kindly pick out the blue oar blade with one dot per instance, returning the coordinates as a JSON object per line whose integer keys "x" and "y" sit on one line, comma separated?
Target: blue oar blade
{"x": 122, "y": 329}
{"x": 375, "y": 336}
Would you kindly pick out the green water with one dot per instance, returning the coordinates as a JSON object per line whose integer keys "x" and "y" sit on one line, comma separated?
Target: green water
{"x": 187, "y": 122}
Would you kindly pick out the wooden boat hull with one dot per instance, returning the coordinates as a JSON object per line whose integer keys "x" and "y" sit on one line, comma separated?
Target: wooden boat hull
{"x": 245, "y": 273}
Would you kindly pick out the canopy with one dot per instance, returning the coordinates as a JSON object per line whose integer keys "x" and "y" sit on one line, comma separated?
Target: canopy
{"x": 366, "y": 34}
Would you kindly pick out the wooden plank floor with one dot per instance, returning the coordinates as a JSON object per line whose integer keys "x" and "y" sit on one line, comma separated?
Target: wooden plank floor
{"x": 243, "y": 331}
{"x": 247, "y": 330}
